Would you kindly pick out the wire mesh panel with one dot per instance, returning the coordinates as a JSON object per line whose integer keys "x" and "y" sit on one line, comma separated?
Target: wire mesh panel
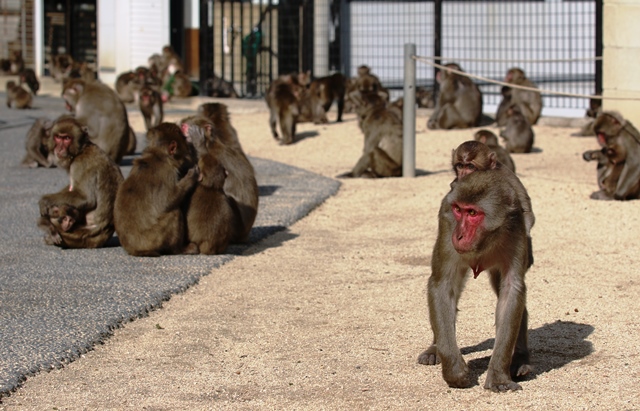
{"x": 488, "y": 38}
{"x": 254, "y": 41}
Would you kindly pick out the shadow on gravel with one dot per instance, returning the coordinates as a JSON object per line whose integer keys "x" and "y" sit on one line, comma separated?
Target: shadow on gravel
{"x": 552, "y": 347}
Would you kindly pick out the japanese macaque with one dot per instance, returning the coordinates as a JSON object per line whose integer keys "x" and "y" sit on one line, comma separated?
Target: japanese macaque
{"x": 213, "y": 218}
{"x": 622, "y": 143}
{"x": 28, "y": 77}
{"x": 530, "y": 102}
{"x": 148, "y": 211}
{"x": 425, "y": 98}
{"x": 518, "y": 134}
{"x": 219, "y": 87}
{"x": 473, "y": 156}
{"x": 240, "y": 184}
{"x": 93, "y": 182}
{"x": 37, "y": 145}
{"x": 60, "y": 66}
{"x": 127, "y": 86}
{"x": 491, "y": 140}
{"x": 382, "y": 153}
{"x": 218, "y": 113}
{"x": 18, "y": 97}
{"x": 326, "y": 90}
{"x": 607, "y": 173}
{"x": 180, "y": 86}
{"x": 151, "y": 106}
{"x": 595, "y": 108}
{"x": 481, "y": 227}
{"x": 289, "y": 103}
{"x": 459, "y": 103}
{"x": 82, "y": 71}
{"x": 14, "y": 64}
{"x": 101, "y": 110}
{"x": 61, "y": 219}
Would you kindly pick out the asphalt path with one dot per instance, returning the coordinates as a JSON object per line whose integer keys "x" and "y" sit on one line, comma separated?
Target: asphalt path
{"x": 57, "y": 304}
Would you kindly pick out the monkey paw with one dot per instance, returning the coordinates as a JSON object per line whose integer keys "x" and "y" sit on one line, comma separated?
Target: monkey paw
{"x": 503, "y": 387}
{"x": 429, "y": 356}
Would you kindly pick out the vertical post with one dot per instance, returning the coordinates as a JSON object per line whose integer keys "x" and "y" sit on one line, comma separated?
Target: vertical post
{"x": 437, "y": 40}
{"x": 206, "y": 46}
{"x": 599, "y": 34}
{"x": 409, "y": 113}
{"x": 321, "y": 10}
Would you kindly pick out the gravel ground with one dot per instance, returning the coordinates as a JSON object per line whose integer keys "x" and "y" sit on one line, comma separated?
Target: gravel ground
{"x": 331, "y": 313}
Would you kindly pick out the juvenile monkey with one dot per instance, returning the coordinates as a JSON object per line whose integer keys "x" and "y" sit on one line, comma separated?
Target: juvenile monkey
{"x": 17, "y": 97}
{"x": 473, "y": 156}
{"x": 61, "y": 219}
{"x": 151, "y": 107}
{"x": 491, "y": 140}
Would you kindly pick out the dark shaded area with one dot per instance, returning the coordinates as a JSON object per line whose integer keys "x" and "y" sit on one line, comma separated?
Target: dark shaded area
{"x": 552, "y": 347}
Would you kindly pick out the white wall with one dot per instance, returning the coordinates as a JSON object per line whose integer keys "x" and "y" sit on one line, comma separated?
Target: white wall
{"x": 129, "y": 31}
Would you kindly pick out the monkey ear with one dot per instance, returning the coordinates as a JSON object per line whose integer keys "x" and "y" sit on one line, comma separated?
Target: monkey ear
{"x": 173, "y": 147}
{"x": 493, "y": 161}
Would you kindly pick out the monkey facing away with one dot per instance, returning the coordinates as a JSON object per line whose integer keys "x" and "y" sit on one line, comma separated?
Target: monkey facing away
{"x": 491, "y": 140}
{"x": 325, "y": 91}
{"x": 480, "y": 227}
{"x": 459, "y": 103}
{"x": 240, "y": 184}
{"x": 104, "y": 114}
{"x": 213, "y": 218}
{"x": 93, "y": 182}
{"x": 148, "y": 211}
{"x": 290, "y": 102}
{"x": 622, "y": 142}
{"x": 28, "y": 77}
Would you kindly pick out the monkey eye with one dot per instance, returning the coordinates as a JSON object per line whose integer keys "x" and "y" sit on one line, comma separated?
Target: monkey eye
{"x": 472, "y": 212}
{"x": 471, "y": 167}
{"x": 456, "y": 208}
{"x": 459, "y": 166}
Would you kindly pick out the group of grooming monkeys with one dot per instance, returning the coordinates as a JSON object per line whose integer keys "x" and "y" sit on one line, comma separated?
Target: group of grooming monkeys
{"x": 192, "y": 190}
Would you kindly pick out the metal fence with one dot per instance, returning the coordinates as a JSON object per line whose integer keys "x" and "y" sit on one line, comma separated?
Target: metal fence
{"x": 252, "y": 42}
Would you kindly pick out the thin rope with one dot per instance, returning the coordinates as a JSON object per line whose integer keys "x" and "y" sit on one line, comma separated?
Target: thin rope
{"x": 516, "y": 86}
{"x": 599, "y": 58}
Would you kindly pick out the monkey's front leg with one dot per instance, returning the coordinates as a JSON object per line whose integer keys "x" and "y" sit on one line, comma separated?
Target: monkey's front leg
{"x": 509, "y": 318}
{"x": 443, "y": 294}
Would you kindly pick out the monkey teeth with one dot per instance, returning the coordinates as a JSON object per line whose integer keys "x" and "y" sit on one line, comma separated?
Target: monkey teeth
{"x": 477, "y": 270}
